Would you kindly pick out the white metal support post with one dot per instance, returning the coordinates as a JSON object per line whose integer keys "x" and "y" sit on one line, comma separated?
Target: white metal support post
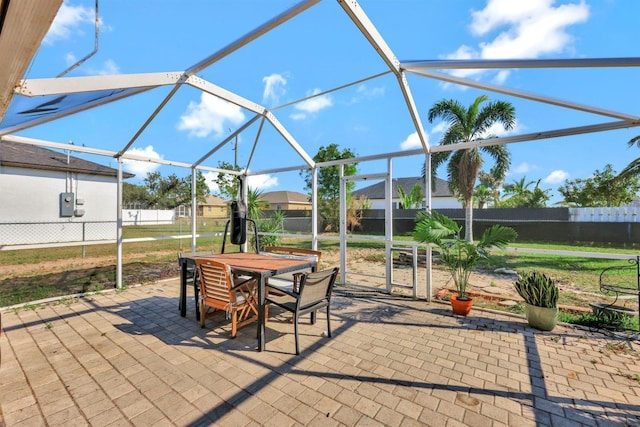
{"x": 194, "y": 213}
{"x": 119, "y": 227}
{"x": 388, "y": 223}
{"x": 314, "y": 208}
{"x": 427, "y": 186}
{"x": 343, "y": 227}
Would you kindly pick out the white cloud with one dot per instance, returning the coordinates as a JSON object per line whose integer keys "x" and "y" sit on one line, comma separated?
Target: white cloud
{"x": 297, "y": 116}
{"x": 497, "y": 129}
{"x": 519, "y": 29}
{"x": 556, "y": 177}
{"x": 67, "y": 22}
{"x": 109, "y": 67}
{"x": 140, "y": 168}
{"x": 311, "y": 106}
{"x": 211, "y": 114}
{"x": 273, "y": 88}
{"x": 534, "y": 28}
{"x": 365, "y": 93}
{"x": 441, "y": 127}
{"x": 370, "y": 92}
{"x": 412, "y": 142}
{"x": 522, "y": 168}
{"x": 262, "y": 182}
{"x": 70, "y": 59}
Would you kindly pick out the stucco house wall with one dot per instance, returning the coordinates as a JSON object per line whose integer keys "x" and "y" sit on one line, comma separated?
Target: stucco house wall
{"x": 441, "y": 197}
{"x": 286, "y": 200}
{"x": 214, "y": 207}
{"x": 31, "y": 182}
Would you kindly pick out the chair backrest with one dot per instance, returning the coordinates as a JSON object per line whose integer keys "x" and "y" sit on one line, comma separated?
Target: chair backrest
{"x": 317, "y": 287}
{"x": 215, "y": 281}
{"x": 295, "y": 251}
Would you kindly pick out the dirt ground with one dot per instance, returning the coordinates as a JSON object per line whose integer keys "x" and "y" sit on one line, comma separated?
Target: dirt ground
{"x": 364, "y": 267}
{"x": 364, "y": 271}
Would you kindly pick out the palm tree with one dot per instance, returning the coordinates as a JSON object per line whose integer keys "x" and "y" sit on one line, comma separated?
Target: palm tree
{"x": 410, "y": 200}
{"x": 467, "y": 125}
{"x": 522, "y": 197}
{"x": 482, "y": 195}
{"x": 255, "y": 203}
{"x": 519, "y": 187}
{"x": 633, "y": 168}
{"x": 457, "y": 255}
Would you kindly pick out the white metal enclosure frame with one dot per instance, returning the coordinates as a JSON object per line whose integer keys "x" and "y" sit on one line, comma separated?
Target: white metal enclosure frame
{"x": 132, "y": 84}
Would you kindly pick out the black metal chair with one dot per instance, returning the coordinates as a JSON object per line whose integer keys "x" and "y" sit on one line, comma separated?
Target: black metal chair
{"x": 314, "y": 293}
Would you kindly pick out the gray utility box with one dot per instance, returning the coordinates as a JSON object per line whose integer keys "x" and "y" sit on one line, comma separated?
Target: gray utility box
{"x": 66, "y": 204}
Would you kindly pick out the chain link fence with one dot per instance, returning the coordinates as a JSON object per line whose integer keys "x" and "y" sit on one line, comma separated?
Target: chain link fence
{"x": 32, "y": 233}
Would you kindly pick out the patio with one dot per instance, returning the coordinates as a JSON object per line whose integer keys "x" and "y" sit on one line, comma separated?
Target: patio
{"x": 128, "y": 358}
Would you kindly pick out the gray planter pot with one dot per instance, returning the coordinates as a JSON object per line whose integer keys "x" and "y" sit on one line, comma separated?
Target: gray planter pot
{"x": 542, "y": 318}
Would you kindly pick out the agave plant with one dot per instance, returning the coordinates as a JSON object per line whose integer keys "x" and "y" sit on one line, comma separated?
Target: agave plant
{"x": 538, "y": 289}
{"x": 459, "y": 255}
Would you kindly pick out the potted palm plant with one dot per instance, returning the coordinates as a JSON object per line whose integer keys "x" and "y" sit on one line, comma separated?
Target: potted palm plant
{"x": 459, "y": 256}
{"x": 540, "y": 295}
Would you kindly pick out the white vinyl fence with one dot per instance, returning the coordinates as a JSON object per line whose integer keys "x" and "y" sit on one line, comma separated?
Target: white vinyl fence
{"x": 622, "y": 214}
{"x": 147, "y": 216}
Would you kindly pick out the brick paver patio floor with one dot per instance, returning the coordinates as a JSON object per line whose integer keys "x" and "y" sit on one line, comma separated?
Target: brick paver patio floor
{"x": 128, "y": 358}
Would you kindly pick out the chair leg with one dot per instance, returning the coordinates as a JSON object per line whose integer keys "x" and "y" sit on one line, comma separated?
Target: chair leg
{"x": 202, "y": 313}
{"x": 295, "y": 330}
{"x": 328, "y": 323}
{"x": 234, "y": 324}
{"x": 196, "y": 294}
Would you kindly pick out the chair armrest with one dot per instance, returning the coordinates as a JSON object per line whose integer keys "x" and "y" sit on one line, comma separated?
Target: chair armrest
{"x": 283, "y": 291}
{"x": 244, "y": 282}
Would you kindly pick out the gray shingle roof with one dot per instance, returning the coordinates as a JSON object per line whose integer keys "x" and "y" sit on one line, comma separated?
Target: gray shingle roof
{"x": 33, "y": 157}
{"x": 376, "y": 191}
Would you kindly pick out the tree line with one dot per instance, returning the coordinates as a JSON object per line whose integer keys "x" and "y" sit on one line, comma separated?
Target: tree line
{"x": 466, "y": 179}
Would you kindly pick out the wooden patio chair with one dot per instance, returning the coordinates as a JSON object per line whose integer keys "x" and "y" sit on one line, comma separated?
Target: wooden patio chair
{"x": 238, "y": 298}
{"x": 315, "y": 293}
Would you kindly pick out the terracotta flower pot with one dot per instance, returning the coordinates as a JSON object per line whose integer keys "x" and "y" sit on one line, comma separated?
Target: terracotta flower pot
{"x": 461, "y": 307}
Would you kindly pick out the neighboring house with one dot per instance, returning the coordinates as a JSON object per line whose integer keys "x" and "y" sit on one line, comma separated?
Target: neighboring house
{"x": 214, "y": 207}
{"x": 287, "y": 201}
{"x": 441, "y": 196}
{"x": 49, "y": 196}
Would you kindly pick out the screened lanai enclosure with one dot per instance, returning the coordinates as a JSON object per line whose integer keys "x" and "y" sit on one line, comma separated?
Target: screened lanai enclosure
{"x": 270, "y": 128}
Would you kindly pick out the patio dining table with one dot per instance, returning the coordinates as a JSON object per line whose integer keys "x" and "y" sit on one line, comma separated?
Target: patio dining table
{"x": 257, "y": 265}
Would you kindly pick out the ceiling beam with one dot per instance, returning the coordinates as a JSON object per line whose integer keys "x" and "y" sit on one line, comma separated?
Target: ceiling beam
{"x": 25, "y": 24}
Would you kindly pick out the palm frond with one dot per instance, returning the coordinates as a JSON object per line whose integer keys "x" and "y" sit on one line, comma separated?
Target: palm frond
{"x": 634, "y": 141}
{"x": 502, "y": 160}
{"x": 497, "y": 236}
{"x": 632, "y": 169}
{"x": 432, "y": 227}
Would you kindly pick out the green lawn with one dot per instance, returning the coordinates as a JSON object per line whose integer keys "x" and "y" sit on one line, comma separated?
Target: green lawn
{"x": 63, "y": 271}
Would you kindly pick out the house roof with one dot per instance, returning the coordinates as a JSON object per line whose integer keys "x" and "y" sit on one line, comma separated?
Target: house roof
{"x": 274, "y": 197}
{"x": 33, "y": 157}
{"x": 376, "y": 191}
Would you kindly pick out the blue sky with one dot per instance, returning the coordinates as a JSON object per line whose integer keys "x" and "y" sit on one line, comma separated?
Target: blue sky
{"x": 321, "y": 49}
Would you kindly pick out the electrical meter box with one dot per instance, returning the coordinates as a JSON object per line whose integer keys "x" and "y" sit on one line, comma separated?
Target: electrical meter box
{"x": 66, "y": 204}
